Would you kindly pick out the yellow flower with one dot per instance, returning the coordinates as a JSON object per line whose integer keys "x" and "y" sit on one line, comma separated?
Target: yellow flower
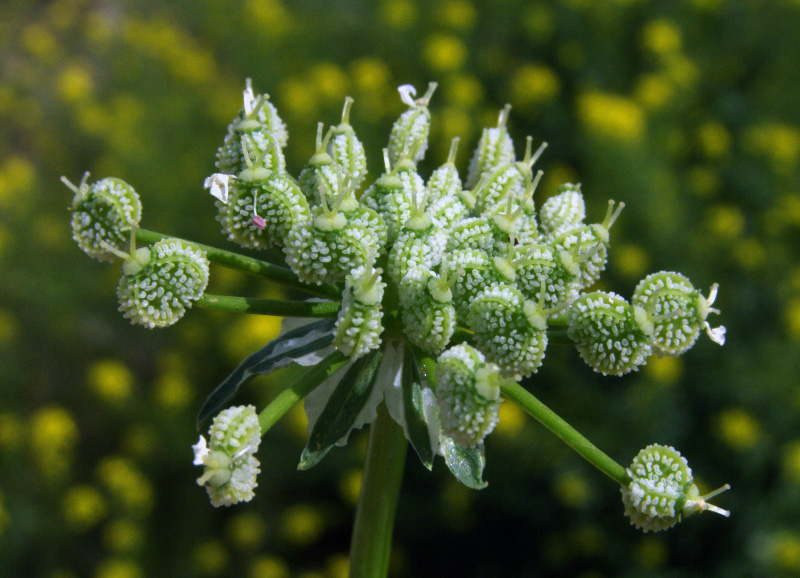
{"x": 703, "y": 181}
{"x": 715, "y": 141}
{"x": 612, "y": 117}
{"x": 444, "y": 53}
{"x": 400, "y": 14}
{"x": 83, "y": 507}
{"x": 118, "y": 568}
{"x": 350, "y": 486}
{"x": 534, "y": 84}
{"x": 652, "y": 553}
{"x": 791, "y": 317}
{"x": 463, "y": 90}
{"x": 268, "y": 567}
{"x": 725, "y": 221}
{"x": 338, "y": 566}
{"x": 127, "y": 484}
{"x": 750, "y": 253}
{"x": 75, "y": 84}
{"x": 654, "y": 91}
{"x": 738, "y": 428}
{"x": 247, "y": 531}
{"x": 123, "y": 536}
{"x": 661, "y": 37}
{"x": 457, "y": 14}
{"x": 370, "y": 74}
{"x": 249, "y": 333}
{"x": 667, "y": 370}
{"x": 330, "y": 81}
{"x": 53, "y": 437}
{"x": 267, "y": 17}
{"x": 111, "y": 380}
{"x": 210, "y": 557}
{"x": 572, "y": 489}
{"x": 630, "y": 261}
{"x": 511, "y": 420}
{"x": 302, "y": 524}
{"x": 538, "y": 22}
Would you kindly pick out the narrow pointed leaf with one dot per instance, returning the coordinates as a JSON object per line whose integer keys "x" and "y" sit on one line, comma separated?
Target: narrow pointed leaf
{"x": 466, "y": 464}
{"x": 414, "y": 409}
{"x": 278, "y": 353}
{"x": 342, "y": 409}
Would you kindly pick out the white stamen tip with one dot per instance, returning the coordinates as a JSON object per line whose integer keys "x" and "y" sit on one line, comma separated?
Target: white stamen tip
{"x": 200, "y": 451}
{"x": 217, "y": 184}
{"x": 407, "y": 94}
{"x": 717, "y": 334}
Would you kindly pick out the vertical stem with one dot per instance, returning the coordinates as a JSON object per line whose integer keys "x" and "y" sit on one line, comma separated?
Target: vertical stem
{"x": 377, "y": 504}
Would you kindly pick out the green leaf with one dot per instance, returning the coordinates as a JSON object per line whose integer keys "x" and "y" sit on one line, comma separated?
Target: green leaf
{"x": 465, "y": 463}
{"x": 278, "y": 353}
{"x": 342, "y": 409}
{"x": 413, "y": 408}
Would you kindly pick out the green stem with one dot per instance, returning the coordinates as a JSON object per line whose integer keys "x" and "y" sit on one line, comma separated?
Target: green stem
{"x": 278, "y": 307}
{"x": 300, "y": 388}
{"x": 249, "y": 265}
{"x": 548, "y": 418}
{"x": 377, "y": 504}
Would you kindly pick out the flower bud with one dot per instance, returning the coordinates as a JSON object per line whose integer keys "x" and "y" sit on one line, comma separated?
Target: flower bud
{"x": 359, "y": 327}
{"x": 510, "y": 330}
{"x": 409, "y": 136}
{"x": 429, "y": 318}
{"x": 103, "y": 213}
{"x": 607, "y": 333}
{"x": 347, "y": 151}
{"x": 662, "y": 490}
{"x": 468, "y": 392}
{"x": 444, "y": 181}
{"x": 677, "y": 312}
{"x": 563, "y": 211}
{"x": 230, "y": 466}
{"x": 495, "y": 148}
{"x": 158, "y": 284}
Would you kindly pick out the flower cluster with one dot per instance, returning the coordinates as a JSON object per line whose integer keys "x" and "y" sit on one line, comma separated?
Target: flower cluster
{"x": 450, "y": 292}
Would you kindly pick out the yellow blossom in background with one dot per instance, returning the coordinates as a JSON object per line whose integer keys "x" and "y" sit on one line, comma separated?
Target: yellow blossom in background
{"x": 111, "y": 380}
{"x": 612, "y": 117}
{"x": 12, "y": 431}
{"x": 75, "y": 83}
{"x": 50, "y": 230}
{"x": 737, "y": 428}
{"x": 459, "y": 15}
{"x": 126, "y": 484}
{"x": 297, "y": 98}
{"x": 5, "y": 519}
{"x": 667, "y": 370}
{"x": 703, "y": 181}
{"x": 297, "y": 422}
{"x": 53, "y": 437}
{"x": 123, "y": 536}
{"x": 512, "y": 420}
{"x": 779, "y": 143}
{"x": 83, "y": 507}
{"x": 782, "y": 549}
{"x": 173, "y": 390}
{"x": 572, "y": 489}
{"x": 791, "y": 460}
{"x": 268, "y": 18}
{"x": 139, "y": 439}
{"x": 268, "y": 567}
{"x": 463, "y": 90}
{"x": 8, "y": 327}
{"x": 210, "y": 558}
{"x": 17, "y": 178}
{"x": 444, "y": 53}
{"x": 682, "y": 71}
{"x": 350, "y": 486}
{"x": 39, "y": 41}
{"x": 651, "y": 553}
{"x": 302, "y": 524}
{"x": 249, "y": 333}
{"x": 654, "y": 91}
{"x": 400, "y": 14}
{"x": 370, "y": 74}
{"x": 533, "y": 84}
{"x": 714, "y": 139}
{"x": 630, "y": 261}
{"x": 247, "y": 530}
{"x": 454, "y": 122}
{"x": 554, "y": 176}
{"x": 338, "y": 566}
{"x": 330, "y": 82}
{"x": 749, "y": 253}
{"x": 538, "y": 22}
{"x": 118, "y": 568}
{"x": 726, "y": 222}
{"x": 662, "y": 37}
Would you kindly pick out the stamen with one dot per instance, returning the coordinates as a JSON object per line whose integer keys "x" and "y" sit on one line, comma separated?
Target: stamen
{"x": 611, "y": 214}
{"x": 532, "y": 160}
{"x": 451, "y": 158}
{"x": 386, "y": 163}
{"x": 348, "y": 102}
{"x": 428, "y": 94}
{"x": 503, "y": 118}
{"x": 258, "y": 220}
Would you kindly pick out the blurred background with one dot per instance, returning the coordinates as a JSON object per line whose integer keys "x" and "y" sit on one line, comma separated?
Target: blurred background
{"x": 686, "y": 110}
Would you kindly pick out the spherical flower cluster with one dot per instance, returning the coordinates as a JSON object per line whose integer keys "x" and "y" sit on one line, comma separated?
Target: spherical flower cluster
{"x": 228, "y": 456}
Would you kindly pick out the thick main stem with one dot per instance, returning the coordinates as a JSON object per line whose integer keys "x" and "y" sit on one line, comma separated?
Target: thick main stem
{"x": 249, "y": 265}
{"x": 549, "y": 419}
{"x": 377, "y": 504}
{"x": 278, "y": 307}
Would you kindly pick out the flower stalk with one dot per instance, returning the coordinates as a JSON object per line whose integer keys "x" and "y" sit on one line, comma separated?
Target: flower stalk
{"x": 277, "y": 307}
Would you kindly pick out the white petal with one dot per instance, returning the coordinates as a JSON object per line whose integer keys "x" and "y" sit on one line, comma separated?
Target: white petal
{"x": 218, "y": 186}
{"x": 407, "y": 94}
{"x": 200, "y": 451}
{"x": 717, "y": 334}
{"x": 292, "y": 323}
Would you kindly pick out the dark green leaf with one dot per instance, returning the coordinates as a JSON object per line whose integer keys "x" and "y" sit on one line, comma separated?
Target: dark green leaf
{"x": 465, "y": 463}
{"x": 276, "y": 354}
{"x": 342, "y": 409}
{"x": 413, "y": 383}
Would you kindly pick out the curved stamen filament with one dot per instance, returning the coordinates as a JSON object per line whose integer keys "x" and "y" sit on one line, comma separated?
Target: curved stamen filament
{"x": 611, "y": 214}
